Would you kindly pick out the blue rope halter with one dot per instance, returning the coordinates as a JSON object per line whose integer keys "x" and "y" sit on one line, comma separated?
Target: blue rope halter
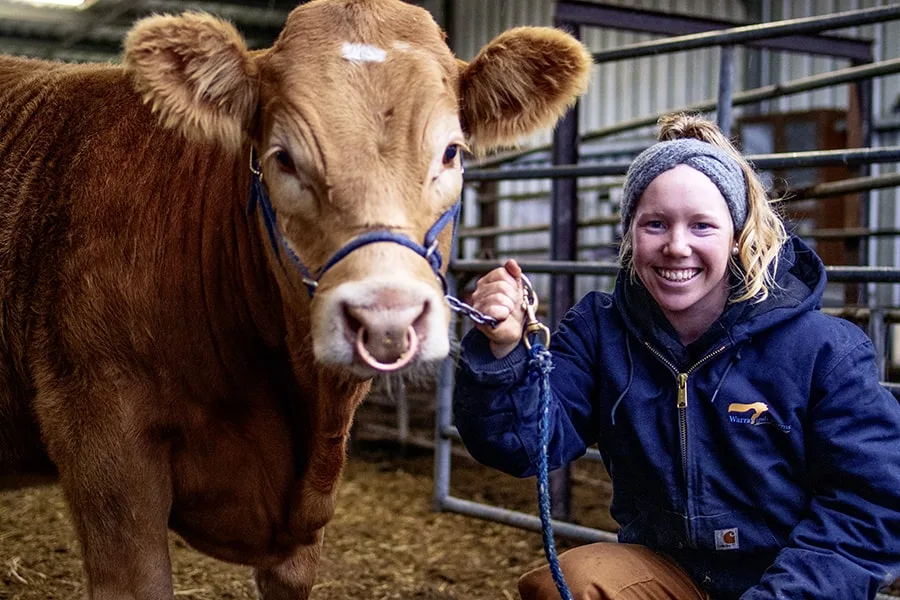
{"x": 428, "y": 250}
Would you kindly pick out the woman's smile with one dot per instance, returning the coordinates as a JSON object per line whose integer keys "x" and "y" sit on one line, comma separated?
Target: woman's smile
{"x": 677, "y": 275}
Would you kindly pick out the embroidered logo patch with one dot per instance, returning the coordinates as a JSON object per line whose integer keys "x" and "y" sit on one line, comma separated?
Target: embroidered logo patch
{"x": 727, "y": 539}
{"x": 756, "y": 413}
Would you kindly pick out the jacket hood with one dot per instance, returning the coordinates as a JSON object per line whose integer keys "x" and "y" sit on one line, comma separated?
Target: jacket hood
{"x": 800, "y": 280}
{"x": 800, "y": 283}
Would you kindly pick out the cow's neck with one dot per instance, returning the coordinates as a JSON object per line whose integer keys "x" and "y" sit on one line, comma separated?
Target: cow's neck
{"x": 260, "y": 327}
{"x": 226, "y": 314}
{"x": 330, "y": 400}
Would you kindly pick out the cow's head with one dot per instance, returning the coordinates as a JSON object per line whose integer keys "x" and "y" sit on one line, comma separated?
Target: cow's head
{"x": 359, "y": 113}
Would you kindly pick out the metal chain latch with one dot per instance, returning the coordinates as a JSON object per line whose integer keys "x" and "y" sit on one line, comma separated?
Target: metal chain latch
{"x": 532, "y": 325}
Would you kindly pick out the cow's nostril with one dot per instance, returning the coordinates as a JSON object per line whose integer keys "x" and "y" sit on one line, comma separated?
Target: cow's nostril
{"x": 420, "y": 325}
{"x": 353, "y": 323}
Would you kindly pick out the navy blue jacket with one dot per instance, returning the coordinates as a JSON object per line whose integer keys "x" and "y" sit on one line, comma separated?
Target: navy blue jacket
{"x": 764, "y": 457}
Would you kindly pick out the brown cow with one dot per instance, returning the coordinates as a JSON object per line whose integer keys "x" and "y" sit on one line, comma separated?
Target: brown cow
{"x": 181, "y": 361}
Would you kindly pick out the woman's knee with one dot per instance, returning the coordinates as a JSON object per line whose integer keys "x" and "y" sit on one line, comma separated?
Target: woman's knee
{"x": 610, "y": 571}
{"x": 590, "y": 572}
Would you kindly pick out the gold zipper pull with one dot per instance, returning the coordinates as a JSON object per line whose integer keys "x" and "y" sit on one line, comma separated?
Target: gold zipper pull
{"x": 682, "y": 390}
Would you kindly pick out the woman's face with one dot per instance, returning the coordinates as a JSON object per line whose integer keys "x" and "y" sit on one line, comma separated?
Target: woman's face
{"x": 682, "y": 240}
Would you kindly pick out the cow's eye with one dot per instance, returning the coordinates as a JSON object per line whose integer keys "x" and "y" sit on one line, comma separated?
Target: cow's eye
{"x": 285, "y": 162}
{"x": 450, "y": 154}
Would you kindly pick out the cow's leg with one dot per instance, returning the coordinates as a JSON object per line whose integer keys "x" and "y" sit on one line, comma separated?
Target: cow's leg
{"x": 117, "y": 481}
{"x": 121, "y": 508}
{"x": 293, "y": 579}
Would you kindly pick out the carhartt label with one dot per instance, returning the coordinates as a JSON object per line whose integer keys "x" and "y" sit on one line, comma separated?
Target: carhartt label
{"x": 727, "y": 539}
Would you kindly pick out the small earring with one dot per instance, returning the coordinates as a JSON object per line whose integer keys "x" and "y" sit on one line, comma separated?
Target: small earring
{"x": 734, "y": 250}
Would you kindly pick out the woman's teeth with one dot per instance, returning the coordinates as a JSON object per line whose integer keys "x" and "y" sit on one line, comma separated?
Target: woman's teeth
{"x": 677, "y": 274}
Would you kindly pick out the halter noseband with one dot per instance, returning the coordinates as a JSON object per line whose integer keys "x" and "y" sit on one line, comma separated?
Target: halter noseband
{"x": 429, "y": 250}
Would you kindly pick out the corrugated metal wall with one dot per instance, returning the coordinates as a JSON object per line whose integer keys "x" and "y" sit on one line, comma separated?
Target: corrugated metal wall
{"x": 629, "y": 89}
{"x": 622, "y": 90}
{"x": 884, "y": 206}
{"x": 783, "y": 66}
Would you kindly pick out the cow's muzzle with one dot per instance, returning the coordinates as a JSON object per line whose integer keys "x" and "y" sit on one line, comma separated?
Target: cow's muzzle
{"x": 388, "y": 329}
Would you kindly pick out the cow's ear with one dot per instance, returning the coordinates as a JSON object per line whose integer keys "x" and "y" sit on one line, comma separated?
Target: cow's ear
{"x": 196, "y": 73}
{"x": 522, "y": 81}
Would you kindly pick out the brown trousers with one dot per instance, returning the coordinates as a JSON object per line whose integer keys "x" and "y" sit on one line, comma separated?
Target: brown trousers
{"x": 610, "y": 571}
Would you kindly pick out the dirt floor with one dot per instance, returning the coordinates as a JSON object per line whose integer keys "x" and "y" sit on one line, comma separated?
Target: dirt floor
{"x": 384, "y": 543}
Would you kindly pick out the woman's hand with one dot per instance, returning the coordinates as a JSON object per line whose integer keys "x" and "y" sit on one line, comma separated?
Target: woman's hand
{"x": 499, "y": 294}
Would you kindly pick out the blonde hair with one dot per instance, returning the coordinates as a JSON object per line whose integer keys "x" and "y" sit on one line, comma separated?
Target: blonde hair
{"x": 763, "y": 234}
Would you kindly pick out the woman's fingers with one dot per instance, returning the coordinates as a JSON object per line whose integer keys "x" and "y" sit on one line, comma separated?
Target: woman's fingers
{"x": 513, "y": 268}
{"x": 508, "y": 331}
{"x": 498, "y": 306}
{"x": 486, "y": 293}
{"x": 499, "y": 295}
{"x": 499, "y": 274}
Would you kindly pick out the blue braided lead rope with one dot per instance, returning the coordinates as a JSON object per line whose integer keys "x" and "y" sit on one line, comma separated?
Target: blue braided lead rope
{"x": 540, "y": 364}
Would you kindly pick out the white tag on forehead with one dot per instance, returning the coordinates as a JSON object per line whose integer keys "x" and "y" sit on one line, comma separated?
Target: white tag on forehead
{"x": 363, "y": 53}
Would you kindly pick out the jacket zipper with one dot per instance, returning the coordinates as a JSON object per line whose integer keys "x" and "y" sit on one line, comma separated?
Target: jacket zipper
{"x": 682, "y": 397}
{"x": 682, "y": 404}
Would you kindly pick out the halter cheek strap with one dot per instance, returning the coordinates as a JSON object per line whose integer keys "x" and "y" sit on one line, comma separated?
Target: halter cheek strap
{"x": 428, "y": 250}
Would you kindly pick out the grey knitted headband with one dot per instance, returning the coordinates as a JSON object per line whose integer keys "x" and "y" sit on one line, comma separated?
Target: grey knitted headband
{"x": 715, "y": 163}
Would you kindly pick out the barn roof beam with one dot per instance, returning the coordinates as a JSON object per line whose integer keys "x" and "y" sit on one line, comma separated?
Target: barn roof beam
{"x": 747, "y": 34}
{"x": 96, "y": 33}
{"x": 102, "y": 12}
{"x": 649, "y": 21}
{"x": 262, "y": 17}
{"x": 25, "y": 12}
{"x": 44, "y": 48}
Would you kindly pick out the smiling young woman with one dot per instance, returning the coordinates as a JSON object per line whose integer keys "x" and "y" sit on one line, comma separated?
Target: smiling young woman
{"x": 744, "y": 463}
{"x": 683, "y": 237}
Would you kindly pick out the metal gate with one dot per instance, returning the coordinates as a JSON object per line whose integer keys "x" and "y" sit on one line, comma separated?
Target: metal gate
{"x": 797, "y": 35}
